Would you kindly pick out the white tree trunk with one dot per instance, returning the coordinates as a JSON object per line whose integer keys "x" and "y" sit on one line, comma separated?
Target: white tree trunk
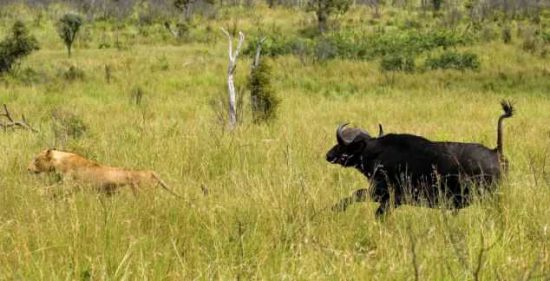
{"x": 230, "y": 77}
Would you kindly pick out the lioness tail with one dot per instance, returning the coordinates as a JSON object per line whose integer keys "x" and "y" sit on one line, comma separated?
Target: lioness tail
{"x": 164, "y": 185}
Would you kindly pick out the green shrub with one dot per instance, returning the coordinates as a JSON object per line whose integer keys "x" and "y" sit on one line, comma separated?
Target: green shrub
{"x": 325, "y": 49}
{"x": 454, "y": 60}
{"x": 183, "y": 29}
{"x": 487, "y": 33}
{"x": 397, "y": 63}
{"x": 533, "y": 39}
{"x": 352, "y": 45}
{"x": 136, "y": 95}
{"x": 30, "y": 77}
{"x": 529, "y": 44}
{"x": 73, "y": 73}
{"x": 278, "y": 45}
{"x": 67, "y": 28}
{"x": 356, "y": 45}
{"x": 67, "y": 125}
{"x": 262, "y": 96}
{"x": 16, "y": 46}
{"x": 507, "y": 34}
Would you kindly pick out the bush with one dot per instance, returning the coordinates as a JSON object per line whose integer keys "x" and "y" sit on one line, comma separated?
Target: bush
{"x": 325, "y": 49}
{"x": 507, "y": 34}
{"x": 453, "y": 60}
{"x": 533, "y": 39}
{"x": 67, "y": 27}
{"x": 73, "y": 73}
{"x": 529, "y": 44}
{"x": 67, "y": 125}
{"x": 487, "y": 33}
{"x": 278, "y": 45}
{"x": 31, "y": 77}
{"x": 16, "y": 46}
{"x": 262, "y": 97}
{"x": 353, "y": 45}
{"x": 397, "y": 63}
{"x": 183, "y": 29}
{"x": 136, "y": 95}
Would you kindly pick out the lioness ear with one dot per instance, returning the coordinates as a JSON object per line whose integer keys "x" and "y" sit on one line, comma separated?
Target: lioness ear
{"x": 49, "y": 153}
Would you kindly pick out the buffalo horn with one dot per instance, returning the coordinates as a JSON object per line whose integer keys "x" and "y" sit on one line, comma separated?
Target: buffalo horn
{"x": 339, "y": 136}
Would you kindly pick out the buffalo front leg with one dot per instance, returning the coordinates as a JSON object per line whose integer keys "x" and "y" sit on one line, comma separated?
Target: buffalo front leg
{"x": 359, "y": 195}
{"x": 382, "y": 210}
{"x": 386, "y": 205}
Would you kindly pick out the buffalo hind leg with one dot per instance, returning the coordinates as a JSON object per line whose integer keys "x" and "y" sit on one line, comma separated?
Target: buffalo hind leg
{"x": 359, "y": 195}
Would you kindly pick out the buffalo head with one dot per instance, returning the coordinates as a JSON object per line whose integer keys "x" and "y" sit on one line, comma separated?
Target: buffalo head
{"x": 351, "y": 142}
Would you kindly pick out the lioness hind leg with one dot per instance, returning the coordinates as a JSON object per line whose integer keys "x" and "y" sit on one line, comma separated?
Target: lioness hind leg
{"x": 135, "y": 188}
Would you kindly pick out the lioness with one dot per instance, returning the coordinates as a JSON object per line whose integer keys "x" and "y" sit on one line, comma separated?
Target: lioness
{"x": 75, "y": 167}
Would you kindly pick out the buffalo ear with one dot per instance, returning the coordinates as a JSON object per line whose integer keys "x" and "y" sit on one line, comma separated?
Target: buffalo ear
{"x": 358, "y": 144}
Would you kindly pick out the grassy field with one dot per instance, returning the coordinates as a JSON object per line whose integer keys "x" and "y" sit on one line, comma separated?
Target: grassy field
{"x": 265, "y": 216}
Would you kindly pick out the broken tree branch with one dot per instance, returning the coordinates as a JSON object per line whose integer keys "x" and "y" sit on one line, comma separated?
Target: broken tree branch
{"x": 11, "y": 123}
{"x": 230, "y": 76}
{"x": 258, "y": 51}
{"x": 168, "y": 27}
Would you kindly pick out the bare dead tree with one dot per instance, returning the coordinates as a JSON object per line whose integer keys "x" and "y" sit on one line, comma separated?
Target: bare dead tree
{"x": 11, "y": 123}
{"x": 230, "y": 76}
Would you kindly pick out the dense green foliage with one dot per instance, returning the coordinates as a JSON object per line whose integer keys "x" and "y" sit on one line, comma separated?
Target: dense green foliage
{"x": 454, "y": 60}
{"x": 263, "y": 101}
{"x": 16, "y": 46}
{"x": 279, "y": 45}
{"x": 353, "y": 45}
{"x": 397, "y": 63}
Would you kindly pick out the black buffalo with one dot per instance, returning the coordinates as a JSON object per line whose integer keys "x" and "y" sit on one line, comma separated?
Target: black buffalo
{"x": 409, "y": 169}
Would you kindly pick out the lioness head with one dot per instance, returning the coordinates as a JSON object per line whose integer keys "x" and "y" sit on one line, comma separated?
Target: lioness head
{"x": 42, "y": 162}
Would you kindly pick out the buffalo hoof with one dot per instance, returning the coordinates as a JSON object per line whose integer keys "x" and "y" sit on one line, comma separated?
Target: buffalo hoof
{"x": 381, "y": 212}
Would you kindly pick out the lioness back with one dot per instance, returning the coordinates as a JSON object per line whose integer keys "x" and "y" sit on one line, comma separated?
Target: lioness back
{"x": 76, "y": 167}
